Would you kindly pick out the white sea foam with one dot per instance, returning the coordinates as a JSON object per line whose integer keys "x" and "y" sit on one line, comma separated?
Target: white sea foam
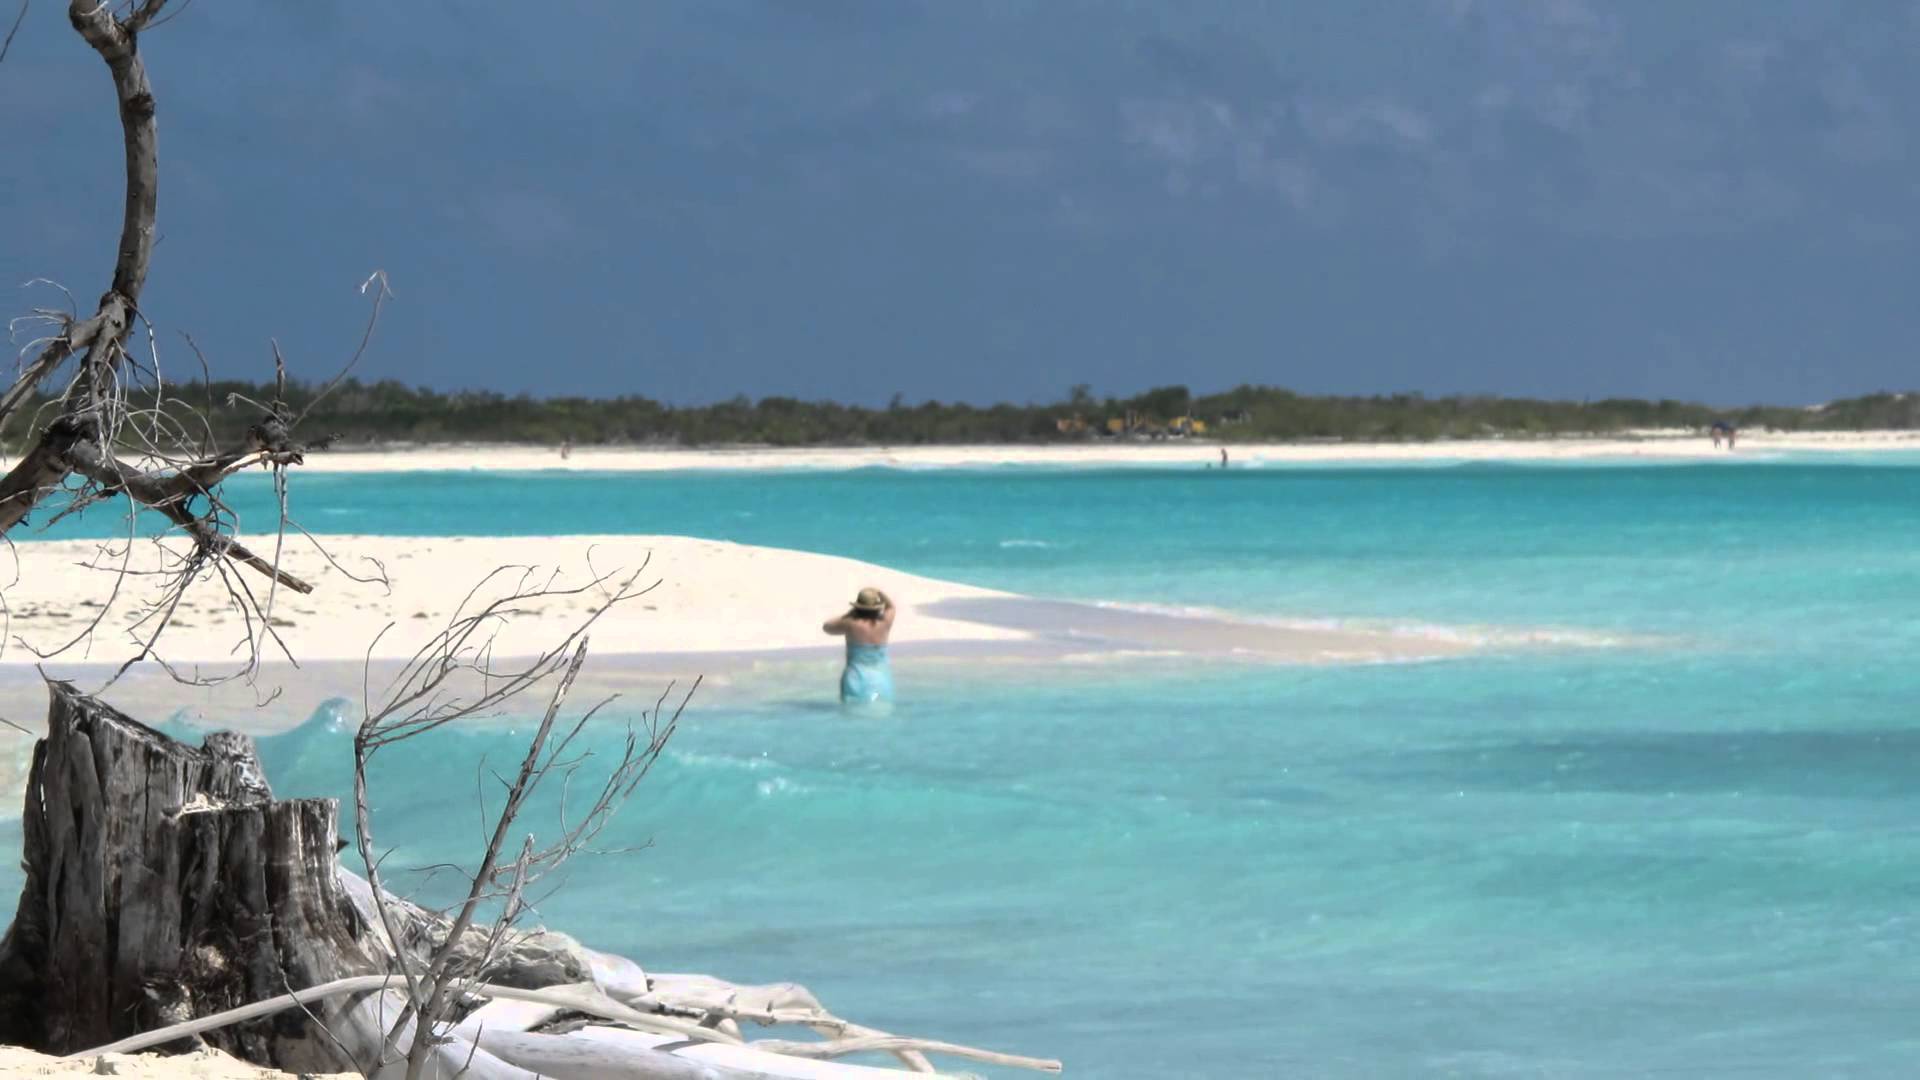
{"x": 1478, "y": 635}
{"x": 694, "y": 759}
{"x": 780, "y": 785}
{"x": 1109, "y": 656}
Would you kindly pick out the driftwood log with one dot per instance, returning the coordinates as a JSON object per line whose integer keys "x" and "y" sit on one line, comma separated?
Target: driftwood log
{"x": 172, "y": 902}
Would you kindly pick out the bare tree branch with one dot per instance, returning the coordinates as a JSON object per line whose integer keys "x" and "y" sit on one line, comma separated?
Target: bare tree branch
{"x": 8, "y": 44}
{"x": 168, "y": 491}
{"x": 142, "y": 15}
{"x": 454, "y": 677}
{"x": 102, "y": 336}
{"x": 173, "y": 478}
{"x": 178, "y": 9}
{"x": 379, "y": 575}
{"x": 438, "y": 985}
{"x": 377, "y": 280}
{"x": 120, "y": 575}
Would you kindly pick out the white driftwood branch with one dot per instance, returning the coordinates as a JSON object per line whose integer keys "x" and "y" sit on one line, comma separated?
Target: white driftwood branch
{"x": 357, "y": 984}
{"x": 589, "y": 999}
{"x": 869, "y": 1043}
{"x": 593, "y": 1052}
{"x": 565, "y": 997}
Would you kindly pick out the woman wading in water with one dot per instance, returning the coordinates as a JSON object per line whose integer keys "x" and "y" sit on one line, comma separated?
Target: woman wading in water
{"x": 866, "y": 626}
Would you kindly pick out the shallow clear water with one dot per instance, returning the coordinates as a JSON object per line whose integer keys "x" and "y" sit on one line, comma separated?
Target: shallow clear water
{"x": 1692, "y": 854}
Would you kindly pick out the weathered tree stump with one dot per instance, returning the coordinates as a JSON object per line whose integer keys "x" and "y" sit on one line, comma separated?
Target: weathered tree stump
{"x": 163, "y": 882}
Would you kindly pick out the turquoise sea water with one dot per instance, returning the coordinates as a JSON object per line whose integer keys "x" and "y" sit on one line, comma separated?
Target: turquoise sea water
{"x": 1690, "y": 852}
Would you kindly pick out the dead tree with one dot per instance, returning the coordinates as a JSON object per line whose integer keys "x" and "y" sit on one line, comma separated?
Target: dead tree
{"x": 82, "y": 436}
{"x": 170, "y": 898}
{"x": 113, "y": 430}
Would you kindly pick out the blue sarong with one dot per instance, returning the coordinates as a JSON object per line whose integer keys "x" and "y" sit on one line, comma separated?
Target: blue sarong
{"x": 867, "y": 677}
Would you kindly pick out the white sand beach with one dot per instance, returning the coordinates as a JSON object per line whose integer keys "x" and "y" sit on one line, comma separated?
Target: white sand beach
{"x": 1652, "y": 444}
{"x": 700, "y": 596}
{"x": 195, "y": 1065}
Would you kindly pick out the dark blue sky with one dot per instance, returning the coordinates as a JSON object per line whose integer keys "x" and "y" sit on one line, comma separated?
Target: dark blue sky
{"x": 995, "y": 199}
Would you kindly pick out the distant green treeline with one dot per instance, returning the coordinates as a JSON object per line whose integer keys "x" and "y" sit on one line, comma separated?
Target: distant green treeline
{"x": 388, "y": 411}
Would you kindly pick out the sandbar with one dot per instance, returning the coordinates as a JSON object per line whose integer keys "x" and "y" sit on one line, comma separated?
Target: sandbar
{"x": 735, "y": 615}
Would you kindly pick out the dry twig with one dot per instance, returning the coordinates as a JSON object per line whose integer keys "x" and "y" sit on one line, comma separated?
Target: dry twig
{"x": 93, "y": 443}
{"x": 17, "y": 20}
{"x": 456, "y": 677}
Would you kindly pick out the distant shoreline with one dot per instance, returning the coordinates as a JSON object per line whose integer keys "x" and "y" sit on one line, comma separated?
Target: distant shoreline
{"x": 1650, "y": 445}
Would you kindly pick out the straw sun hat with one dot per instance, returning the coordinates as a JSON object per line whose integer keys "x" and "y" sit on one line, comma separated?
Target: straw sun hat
{"x": 869, "y": 600}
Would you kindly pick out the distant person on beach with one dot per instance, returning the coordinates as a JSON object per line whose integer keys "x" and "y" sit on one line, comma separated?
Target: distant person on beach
{"x": 1721, "y": 429}
{"x": 867, "y": 678}
{"x": 1223, "y": 457}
